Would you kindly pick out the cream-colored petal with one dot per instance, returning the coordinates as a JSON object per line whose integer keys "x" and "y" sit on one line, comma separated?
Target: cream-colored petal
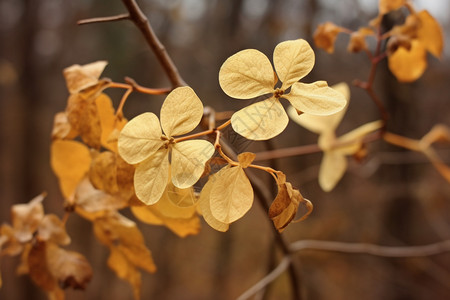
{"x": 151, "y": 176}
{"x": 260, "y": 121}
{"x": 293, "y": 60}
{"x": 321, "y": 124}
{"x": 205, "y": 206}
{"x": 188, "y": 161}
{"x": 316, "y": 98}
{"x": 181, "y": 111}
{"x": 352, "y": 140}
{"x": 247, "y": 74}
{"x": 81, "y": 77}
{"x": 169, "y": 209}
{"x": 140, "y": 138}
{"x": 231, "y": 195}
{"x": 332, "y": 169}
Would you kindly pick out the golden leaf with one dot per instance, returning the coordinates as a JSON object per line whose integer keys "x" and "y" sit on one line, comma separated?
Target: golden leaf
{"x": 325, "y": 36}
{"x": 70, "y": 160}
{"x": 246, "y": 158}
{"x": 188, "y": 161}
{"x": 79, "y": 77}
{"x": 316, "y": 98}
{"x": 293, "y": 60}
{"x": 205, "y": 206}
{"x": 110, "y": 124}
{"x": 408, "y": 65}
{"x": 385, "y": 6}
{"x": 184, "y": 198}
{"x": 151, "y": 176}
{"x": 140, "y": 138}
{"x": 9, "y": 244}
{"x": 261, "y": 120}
{"x": 357, "y": 42}
{"x": 247, "y": 74}
{"x": 181, "y": 112}
{"x": 231, "y": 195}
{"x": 127, "y": 246}
{"x": 430, "y": 33}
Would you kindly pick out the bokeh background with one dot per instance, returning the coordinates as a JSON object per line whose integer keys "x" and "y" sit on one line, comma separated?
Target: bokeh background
{"x": 393, "y": 197}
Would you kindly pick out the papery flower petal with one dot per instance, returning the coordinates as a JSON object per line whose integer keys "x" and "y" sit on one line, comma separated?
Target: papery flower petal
{"x": 332, "y": 169}
{"x": 188, "y": 161}
{"x": 321, "y": 124}
{"x": 140, "y": 138}
{"x": 261, "y": 120}
{"x": 354, "y": 138}
{"x": 293, "y": 60}
{"x": 247, "y": 74}
{"x": 205, "y": 206}
{"x": 430, "y": 33}
{"x": 181, "y": 112}
{"x": 151, "y": 176}
{"x": 316, "y": 98}
{"x": 231, "y": 195}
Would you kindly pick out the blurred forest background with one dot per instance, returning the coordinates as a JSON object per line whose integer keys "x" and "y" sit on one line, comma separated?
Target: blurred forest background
{"x": 393, "y": 198}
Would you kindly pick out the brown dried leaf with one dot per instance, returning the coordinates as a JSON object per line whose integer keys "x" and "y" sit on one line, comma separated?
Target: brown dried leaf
{"x": 357, "y": 42}
{"x": 127, "y": 246}
{"x": 70, "y": 160}
{"x": 25, "y": 218}
{"x": 246, "y": 158}
{"x": 62, "y": 128}
{"x": 325, "y": 36}
{"x": 92, "y": 200}
{"x": 9, "y": 245}
{"x": 52, "y": 229}
{"x": 79, "y": 77}
{"x": 103, "y": 172}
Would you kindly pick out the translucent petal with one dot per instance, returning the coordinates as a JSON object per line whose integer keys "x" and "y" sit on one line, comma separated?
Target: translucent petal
{"x": 293, "y": 60}
{"x": 409, "y": 65}
{"x": 205, "y": 206}
{"x": 181, "y": 112}
{"x": 188, "y": 161}
{"x": 316, "y": 98}
{"x": 247, "y": 74}
{"x": 260, "y": 121}
{"x": 320, "y": 124}
{"x": 332, "y": 169}
{"x": 151, "y": 176}
{"x": 231, "y": 195}
{"x": 356, "y": 136}
{"x": 140, "y": 138}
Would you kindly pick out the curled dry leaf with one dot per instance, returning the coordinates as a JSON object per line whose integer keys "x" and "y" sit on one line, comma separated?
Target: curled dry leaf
{"x": 385, "y": 6}
{"x": 52, "y": 267}
{"x": 25, "y": 218}
{"x": 248, "y": 74}
{"x": 127, "y": 246}
{"x": 284, "y": 208}
{"x": 52, "y": 229}
{"x": 62, "y": 128}
{"x": 79, "y": 77}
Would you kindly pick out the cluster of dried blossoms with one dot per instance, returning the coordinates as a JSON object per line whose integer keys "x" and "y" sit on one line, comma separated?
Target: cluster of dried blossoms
{"x": 105, "y": 163}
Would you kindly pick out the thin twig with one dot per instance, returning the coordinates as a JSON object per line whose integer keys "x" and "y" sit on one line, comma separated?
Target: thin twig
{"x": 104, "y": 19}
{"x": 282, "y": 266}
{"x": 372, "y": 249}
{"x": 141, "y": 21}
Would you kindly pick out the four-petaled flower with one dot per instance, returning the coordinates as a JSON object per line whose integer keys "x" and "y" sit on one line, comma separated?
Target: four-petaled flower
{"x": 249, "y": 73}
{"x": 143, "y": 142}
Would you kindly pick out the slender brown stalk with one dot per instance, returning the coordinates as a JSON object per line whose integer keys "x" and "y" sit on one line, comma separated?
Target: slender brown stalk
{"x": 372, "y": 249}
{"x": 141, "y": 21}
